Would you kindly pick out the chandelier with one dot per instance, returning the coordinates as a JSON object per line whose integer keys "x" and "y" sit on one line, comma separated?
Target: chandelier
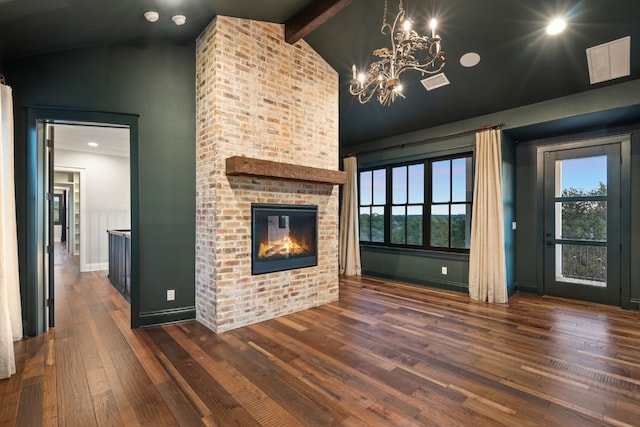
{"x": 408, "y": 51}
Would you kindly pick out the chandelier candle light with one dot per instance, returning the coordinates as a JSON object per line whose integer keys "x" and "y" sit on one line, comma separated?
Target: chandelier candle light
{"x": 409, "y": 51}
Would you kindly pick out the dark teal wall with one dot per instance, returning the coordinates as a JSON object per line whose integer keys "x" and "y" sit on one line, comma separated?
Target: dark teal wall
{"x": 157, "y": 83}
{"x": 509, "y": 199}
{"x": 634, "y": 234}
{"x": 526, "y": 200}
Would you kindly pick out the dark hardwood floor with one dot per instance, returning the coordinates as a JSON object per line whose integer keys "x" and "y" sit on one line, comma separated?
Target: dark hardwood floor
{"x": 385, "y": 355}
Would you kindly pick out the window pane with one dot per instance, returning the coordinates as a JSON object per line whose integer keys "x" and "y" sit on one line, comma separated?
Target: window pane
{"x": 364, "y": 223}
{"x": 365, "y": 188}
{"x": 583, "y": 220}
{"x": 377, "y": 224}
{"x": 440, "y": 175}
{"x": 416, "y": 183}
{"x": 399, "y": 180}
{"x": 461, "y": 226}
{"x": 414, "y": 225}
{"x": 582, "y": 176}
{"x": 379, "y": 187}
{"x": 398, "y": 218}
{"x": 440, "y": 226}
{"x": 461, "y": 179}
{"x": 56, "y": 209}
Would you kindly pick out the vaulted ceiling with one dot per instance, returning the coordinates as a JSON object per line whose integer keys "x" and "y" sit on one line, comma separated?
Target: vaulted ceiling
{"x": 519, "y": 64}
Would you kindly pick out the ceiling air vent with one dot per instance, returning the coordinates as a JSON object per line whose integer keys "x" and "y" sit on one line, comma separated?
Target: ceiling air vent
{"x": 435, "y": 81}
{"x": 609, "y": 61}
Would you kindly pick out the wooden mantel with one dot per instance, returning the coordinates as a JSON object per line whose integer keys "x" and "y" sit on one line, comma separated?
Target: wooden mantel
{"x": 238, "y": 165}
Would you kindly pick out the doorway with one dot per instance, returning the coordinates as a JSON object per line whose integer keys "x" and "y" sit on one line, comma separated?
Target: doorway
{"x": 40, "y": 186}
{"x": 583, "y": 214}
{"x": 94, "y": 161}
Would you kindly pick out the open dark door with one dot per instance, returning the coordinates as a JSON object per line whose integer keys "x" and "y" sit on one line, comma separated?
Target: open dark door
{"x": 50, "y": 221}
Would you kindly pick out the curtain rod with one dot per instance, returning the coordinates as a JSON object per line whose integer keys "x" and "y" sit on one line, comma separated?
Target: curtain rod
{"x": 430, "y": 139}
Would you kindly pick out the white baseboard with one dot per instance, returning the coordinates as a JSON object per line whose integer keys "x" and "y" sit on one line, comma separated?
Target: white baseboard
{"x": 94, "y": 267}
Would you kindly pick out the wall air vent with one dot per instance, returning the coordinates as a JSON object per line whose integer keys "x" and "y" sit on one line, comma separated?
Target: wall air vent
{"x": 435, "y": 81}
{"x": 609, "y": 61}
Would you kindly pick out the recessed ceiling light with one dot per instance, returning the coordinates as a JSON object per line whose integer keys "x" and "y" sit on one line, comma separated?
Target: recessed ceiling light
{"x": 179, "y": 19}
{"x": 469, "y": 59}
{"x": 92, "y": 144}
{"x": 151, "y": 16}
{"x": 556, "y": 26}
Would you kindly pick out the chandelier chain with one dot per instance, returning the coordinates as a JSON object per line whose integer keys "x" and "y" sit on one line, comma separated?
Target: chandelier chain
{"x": 384, "y": 17}
{"x": 386, "y": 6}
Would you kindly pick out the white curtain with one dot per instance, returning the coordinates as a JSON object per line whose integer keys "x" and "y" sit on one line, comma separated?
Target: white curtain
{"x": 10, "y": 311}
{"x": 487, "y": 268}
{"x": 349, "y": 255}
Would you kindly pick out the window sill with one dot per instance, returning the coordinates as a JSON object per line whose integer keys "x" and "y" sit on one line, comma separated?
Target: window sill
{"x": 425, "y": 253}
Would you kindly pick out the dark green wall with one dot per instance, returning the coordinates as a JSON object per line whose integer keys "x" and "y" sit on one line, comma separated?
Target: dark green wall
{"x": 596, "y": 111}
{"x": 157, "y": 83}
{"x": 509, "y": 198}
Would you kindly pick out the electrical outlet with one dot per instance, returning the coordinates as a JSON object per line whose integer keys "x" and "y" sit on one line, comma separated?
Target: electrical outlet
{"x": 444, "y": 270}
{"x": 171, "y": 294}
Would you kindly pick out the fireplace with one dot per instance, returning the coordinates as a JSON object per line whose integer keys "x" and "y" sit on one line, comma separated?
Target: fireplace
{"x": 284, "y": 237}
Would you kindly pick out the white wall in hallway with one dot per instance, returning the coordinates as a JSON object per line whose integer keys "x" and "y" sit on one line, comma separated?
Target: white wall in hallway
{"x": 107, "y": 200}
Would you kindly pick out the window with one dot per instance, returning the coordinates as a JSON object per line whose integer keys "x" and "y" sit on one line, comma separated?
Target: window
{"x": 57, "y": 209}
{"x": 373, "y": 189}
{"x": 407, "y": 194}
{"x": 451, "y": 194}
{"x": 424, "y": 204}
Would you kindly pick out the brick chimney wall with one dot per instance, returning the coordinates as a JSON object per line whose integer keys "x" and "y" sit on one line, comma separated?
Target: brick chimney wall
{"x": 260, "y": 97}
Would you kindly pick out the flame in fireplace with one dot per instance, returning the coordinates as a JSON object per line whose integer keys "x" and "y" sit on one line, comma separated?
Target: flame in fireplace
{"x": 284, "y": 247}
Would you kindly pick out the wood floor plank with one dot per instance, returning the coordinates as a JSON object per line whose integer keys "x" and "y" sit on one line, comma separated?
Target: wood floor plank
{"x": 30, "y": 398}
{"x": 49, "y": 398}
{"x": 179, "y": 406}
{"x": 106, "y": 409}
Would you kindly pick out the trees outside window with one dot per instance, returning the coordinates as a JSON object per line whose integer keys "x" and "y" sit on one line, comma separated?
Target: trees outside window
{"x": 584, "y": 219}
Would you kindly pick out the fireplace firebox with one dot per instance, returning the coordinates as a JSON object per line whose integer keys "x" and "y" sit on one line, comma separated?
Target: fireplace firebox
{"x": 284, "y": 237}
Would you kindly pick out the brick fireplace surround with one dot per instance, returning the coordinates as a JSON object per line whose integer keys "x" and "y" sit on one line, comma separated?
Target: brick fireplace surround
{"x": 259, "y": 97}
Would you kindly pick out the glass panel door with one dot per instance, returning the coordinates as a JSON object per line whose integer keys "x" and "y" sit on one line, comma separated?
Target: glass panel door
{"x": 582, "y": 223}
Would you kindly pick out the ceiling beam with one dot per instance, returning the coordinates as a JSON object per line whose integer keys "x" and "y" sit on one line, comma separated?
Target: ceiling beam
{"x": 311, "y": 17}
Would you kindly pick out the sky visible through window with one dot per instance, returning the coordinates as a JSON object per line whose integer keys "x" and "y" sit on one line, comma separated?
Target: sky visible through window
{"x": 584, "y": 173}
{"x": 441, "y": 175}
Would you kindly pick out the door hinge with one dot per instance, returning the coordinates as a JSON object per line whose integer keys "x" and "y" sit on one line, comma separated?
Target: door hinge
{"x": 49, "y": 249}
{"x": 48, "y": 197}
{"x": 49, "y": 143}
{"x": 50, "y": 302}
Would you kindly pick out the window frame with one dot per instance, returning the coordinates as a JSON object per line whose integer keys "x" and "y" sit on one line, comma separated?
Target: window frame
{"x": 426, "y": 204}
